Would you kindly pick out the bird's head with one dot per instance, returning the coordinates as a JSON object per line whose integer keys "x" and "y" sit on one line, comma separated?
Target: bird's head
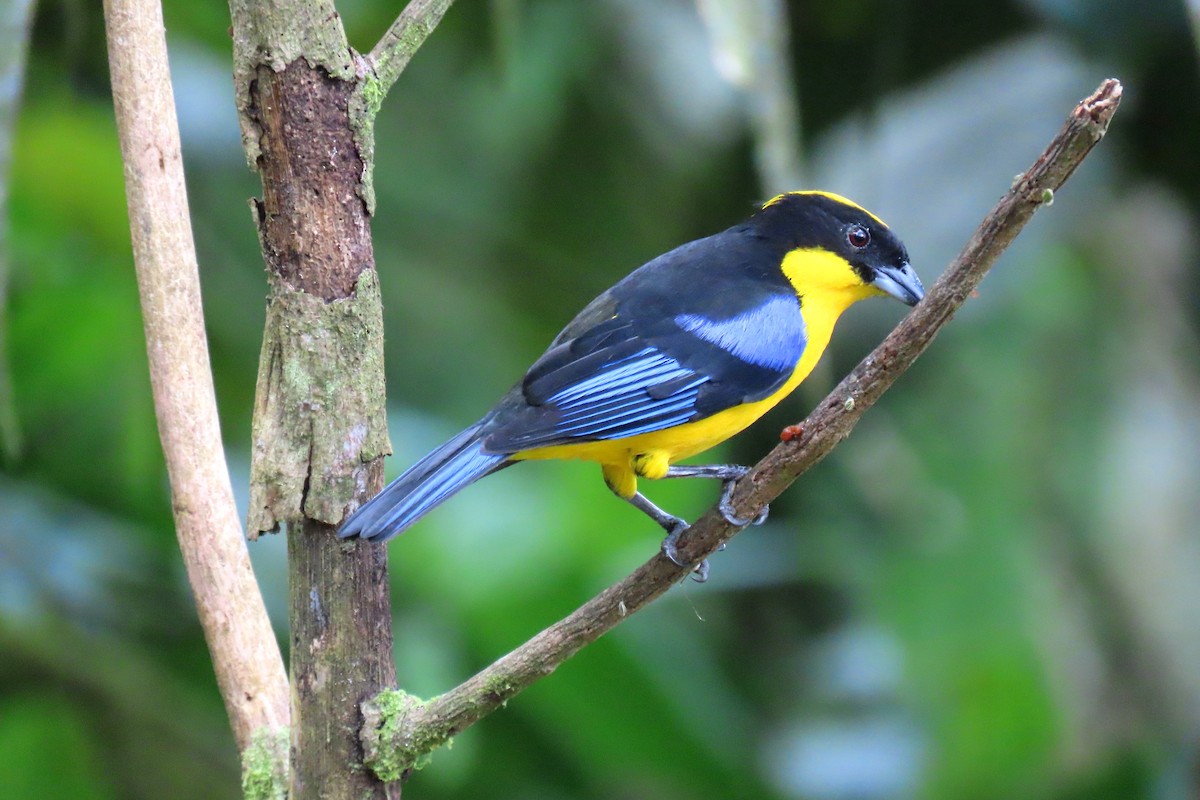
{"x": 837, "y": 251}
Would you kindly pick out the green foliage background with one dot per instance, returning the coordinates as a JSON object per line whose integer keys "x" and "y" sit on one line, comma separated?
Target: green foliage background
{"x": 990, "y": 591}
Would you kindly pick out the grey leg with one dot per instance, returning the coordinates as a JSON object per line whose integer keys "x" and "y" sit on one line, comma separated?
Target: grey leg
{"x": 728, "y": 474}
{"x": 723, "y": 472}
{"x": 674, "y": 526}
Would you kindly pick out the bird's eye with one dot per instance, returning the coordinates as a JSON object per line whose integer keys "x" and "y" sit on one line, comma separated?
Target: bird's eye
{"x": 858, "y": 236}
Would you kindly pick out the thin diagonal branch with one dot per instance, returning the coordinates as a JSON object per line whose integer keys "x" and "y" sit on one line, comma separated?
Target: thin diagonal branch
{"x": 245, "y": 655}
{"x": 400, "y": 729}
{"x": 406, "y": 35}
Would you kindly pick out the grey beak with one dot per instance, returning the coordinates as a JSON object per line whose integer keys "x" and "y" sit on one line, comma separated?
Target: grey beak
{"x": 900, "y": 282}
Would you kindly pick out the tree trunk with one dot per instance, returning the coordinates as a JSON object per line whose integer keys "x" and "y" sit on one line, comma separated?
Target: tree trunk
{"x": 319, "y": 434}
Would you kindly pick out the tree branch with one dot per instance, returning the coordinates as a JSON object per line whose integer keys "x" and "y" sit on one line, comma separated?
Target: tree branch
{"x": 245, "y": 655}
{"x": 392, "y": 53}
{"x": 400, "y": 729}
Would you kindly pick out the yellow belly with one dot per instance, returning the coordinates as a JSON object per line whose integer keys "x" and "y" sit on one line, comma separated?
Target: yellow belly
{"x": 676, "y": 443}
{"x": 649, "y": 455}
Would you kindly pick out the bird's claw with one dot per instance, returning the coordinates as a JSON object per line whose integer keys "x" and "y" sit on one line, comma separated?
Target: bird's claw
{"x": 671, "y": 551}
{"x": 726, "y": 507}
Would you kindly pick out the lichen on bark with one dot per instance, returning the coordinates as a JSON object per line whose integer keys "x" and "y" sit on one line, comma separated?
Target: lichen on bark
{"x": 319, "y": 411}
{"x": 364, "y": 105}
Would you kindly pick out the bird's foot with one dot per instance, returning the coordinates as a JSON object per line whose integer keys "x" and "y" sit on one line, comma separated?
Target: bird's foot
{"x": 670, "y": 550}
{"x": 726, "y": 506}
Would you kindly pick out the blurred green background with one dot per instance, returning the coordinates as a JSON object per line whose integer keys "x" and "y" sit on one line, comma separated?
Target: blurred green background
{"x": 992, "y": 590}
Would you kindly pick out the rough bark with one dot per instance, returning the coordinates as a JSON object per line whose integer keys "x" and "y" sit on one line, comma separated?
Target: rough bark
{"x": 319, "y": 424}
{"x": 341, "y": 644}
{"x": 319, "y": 436}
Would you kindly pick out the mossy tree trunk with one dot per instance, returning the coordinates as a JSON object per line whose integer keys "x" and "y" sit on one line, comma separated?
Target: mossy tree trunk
{"x": 319, "y": 428}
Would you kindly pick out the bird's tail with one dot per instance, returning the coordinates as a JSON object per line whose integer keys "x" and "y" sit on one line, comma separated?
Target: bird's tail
{"x": 432, "y": 480}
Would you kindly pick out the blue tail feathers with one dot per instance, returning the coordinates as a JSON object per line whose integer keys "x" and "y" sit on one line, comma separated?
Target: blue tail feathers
{"x": 432, "y": 480}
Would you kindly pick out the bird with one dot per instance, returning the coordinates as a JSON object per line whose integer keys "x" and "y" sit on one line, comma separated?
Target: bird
{"x": 680, "y": 355}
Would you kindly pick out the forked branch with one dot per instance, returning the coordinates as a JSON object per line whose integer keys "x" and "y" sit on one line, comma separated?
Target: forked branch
{"x": 410, "y": 30}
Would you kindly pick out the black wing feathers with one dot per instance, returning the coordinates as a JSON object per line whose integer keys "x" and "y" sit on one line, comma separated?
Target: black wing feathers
{"x": 705, "y": 327}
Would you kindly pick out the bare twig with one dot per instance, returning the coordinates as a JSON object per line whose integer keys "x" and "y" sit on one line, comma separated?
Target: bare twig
{"x": 406, "y": 35}
{"x": 400, "y": 729}
{"x": 245, "y": 654}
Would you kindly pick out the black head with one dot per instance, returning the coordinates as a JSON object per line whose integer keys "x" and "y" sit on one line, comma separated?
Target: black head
{"x": 830, "y": 222}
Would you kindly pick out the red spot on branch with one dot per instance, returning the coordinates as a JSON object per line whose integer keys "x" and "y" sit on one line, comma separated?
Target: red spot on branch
{"x": 791, "y": 433}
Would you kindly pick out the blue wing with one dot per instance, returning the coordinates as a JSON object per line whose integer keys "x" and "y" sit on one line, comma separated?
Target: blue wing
{"x": 623, "y": 373}
{"x": 644, "y": 391}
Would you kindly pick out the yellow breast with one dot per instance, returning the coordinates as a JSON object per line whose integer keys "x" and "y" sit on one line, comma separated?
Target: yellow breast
{"x": 826, "y": 291}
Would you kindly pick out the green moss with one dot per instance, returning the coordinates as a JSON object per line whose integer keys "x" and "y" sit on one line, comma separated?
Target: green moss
{"x": 365, "y": 103}
{"x": 389, "y": 750}
{"x": 265, "y": 766}
{"x": 392, "y": 744}
{"x": 501, "y": 688}
{"x": 408, "y": 39}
